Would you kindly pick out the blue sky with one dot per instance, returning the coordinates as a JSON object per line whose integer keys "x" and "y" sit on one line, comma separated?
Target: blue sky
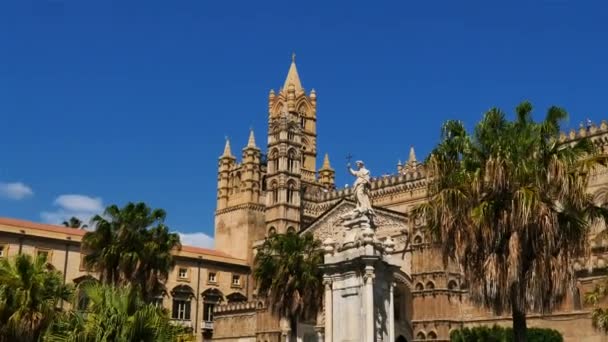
{"x": 112, "y": 101}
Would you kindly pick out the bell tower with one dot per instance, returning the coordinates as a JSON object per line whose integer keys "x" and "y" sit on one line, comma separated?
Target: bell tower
{"x": 302, "y": 108}
{"x": 292, "y": 152}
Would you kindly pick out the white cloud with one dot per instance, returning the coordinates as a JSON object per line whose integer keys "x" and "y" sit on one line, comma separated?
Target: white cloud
{"x": 79, "y": 203}
{"x": 15, "y": 191}
{"x": 80, "y": 206}
{"x": 196, "y": 239}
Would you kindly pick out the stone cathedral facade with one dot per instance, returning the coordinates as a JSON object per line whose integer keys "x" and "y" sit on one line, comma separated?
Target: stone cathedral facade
{"x": 279, "y": 189}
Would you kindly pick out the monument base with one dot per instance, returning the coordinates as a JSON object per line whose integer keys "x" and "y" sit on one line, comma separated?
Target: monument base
{"x": 358, "y": 278}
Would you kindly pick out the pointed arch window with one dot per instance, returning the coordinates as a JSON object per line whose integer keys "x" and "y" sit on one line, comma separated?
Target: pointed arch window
{"x": 291, "y": 189}
{"x": 274, "y": 160}
{"x": 302, "y": 112}
{"x": 291, "y": 161}
{"x": 274, "y": 189}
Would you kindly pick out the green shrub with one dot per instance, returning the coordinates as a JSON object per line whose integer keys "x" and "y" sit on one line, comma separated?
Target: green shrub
{"x": 500, "y": 334}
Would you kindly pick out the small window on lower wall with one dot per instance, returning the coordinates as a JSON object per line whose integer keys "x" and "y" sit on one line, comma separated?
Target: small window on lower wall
{"x": 212, "y": 278}
{"x": 182, "y": 273}
{"x": 236, "y": 280}
{"x": 44, "y": 253}
{"x": 3, "y": 251}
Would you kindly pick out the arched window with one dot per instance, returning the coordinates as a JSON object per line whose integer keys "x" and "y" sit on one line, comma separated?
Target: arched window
{"x": 291, "y": 161}
{"x": 275, "y": 192}
{"x": 430, "y": 285}
{"x": 291, "y": 230}
{"x": 418, "y": 239}
{"x": 81, "y": 295}
{"x": 419, "y": 287}
{"x": 274, "y": 161}
{"x": 272, "y": 231}
{"x": 211, "y": 298}
{"x": 452, "y": 285}
{"x": 290, "y": 135}
{"x": 302, "y": 110}
{"x": 432, "y": 335}
{"x": 236, "y": 297}
{"x": 291, "y": 189}
{"x": 420, "y": 336}
{"x": 182, "y": 302}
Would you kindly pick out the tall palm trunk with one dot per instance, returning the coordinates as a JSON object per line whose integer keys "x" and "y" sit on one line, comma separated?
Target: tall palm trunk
{"x": 518, "y": 314}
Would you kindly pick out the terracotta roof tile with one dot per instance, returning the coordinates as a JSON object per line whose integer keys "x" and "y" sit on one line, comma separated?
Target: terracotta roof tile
{"x": 80, "y": 232}
{"x": 41, "y": 226}
{"x": 193, "y": 249}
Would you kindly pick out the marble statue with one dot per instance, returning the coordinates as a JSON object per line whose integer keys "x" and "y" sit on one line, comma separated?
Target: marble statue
{"x": 361, "y": 189}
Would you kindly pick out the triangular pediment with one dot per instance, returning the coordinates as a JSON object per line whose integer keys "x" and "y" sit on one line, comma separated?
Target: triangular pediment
{"x": 388, "y": 222}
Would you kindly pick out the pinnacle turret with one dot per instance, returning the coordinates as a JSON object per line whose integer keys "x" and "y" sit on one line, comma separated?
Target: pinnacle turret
{"x": 227, "y": 151}
{"x": 292, "y": 77}
{"x": 412, "y": 159}
{"x": 326, "y": 165}
{"x": 251, "y": 141}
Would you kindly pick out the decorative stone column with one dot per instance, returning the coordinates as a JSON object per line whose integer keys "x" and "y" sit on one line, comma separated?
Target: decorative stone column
{"x": 369, "y": 303}
{"x": 328, "y": 309}
{"x": 389, "y": 247}
{"x": 391, "y": 312}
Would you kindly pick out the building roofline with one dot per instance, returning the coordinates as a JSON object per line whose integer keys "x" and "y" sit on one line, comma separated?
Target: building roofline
{"x": 56, "y": 232}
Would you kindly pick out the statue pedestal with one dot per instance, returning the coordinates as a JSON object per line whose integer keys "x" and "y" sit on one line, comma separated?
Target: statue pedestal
{"x": 358, "y": 278}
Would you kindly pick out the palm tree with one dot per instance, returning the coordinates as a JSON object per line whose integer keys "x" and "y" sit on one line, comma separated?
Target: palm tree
{"x": 30, "y": 291}
{"x": 286, "y": 269}
{"x": 114, "y": 314}
{"x": 599, "y": 316}
{"x": 509, "y": 205}
{"x": 74, "y": 222}
{"x": 131, "y": 245}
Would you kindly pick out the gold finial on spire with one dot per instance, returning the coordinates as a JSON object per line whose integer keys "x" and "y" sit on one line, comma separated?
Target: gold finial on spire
{"x": 292, "y": 77}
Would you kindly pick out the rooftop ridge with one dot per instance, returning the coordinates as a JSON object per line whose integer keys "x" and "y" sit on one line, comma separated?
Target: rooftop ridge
{"x": 19, "y": 223}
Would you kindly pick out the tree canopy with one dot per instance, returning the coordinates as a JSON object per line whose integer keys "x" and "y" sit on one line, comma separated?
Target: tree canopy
{"x": 509, "y": 204}
{"x": 131, "y": 245}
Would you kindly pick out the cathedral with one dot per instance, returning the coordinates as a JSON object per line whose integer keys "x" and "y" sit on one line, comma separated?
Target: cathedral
{"x": 280, "y": 189}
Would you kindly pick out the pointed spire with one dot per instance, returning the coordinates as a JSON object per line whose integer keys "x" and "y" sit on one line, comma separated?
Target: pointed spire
{"x": 326, "y": 165}
{"x": 292, "y": 76}
{"x": 251, "y": 141}
{"x": 412, "y": 159}
{"x": 227, "y": 151}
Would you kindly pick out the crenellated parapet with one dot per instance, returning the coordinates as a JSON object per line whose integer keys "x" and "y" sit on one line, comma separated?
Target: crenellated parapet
{"x": 598, "y": 134}
{"x": 230, "y": 308}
